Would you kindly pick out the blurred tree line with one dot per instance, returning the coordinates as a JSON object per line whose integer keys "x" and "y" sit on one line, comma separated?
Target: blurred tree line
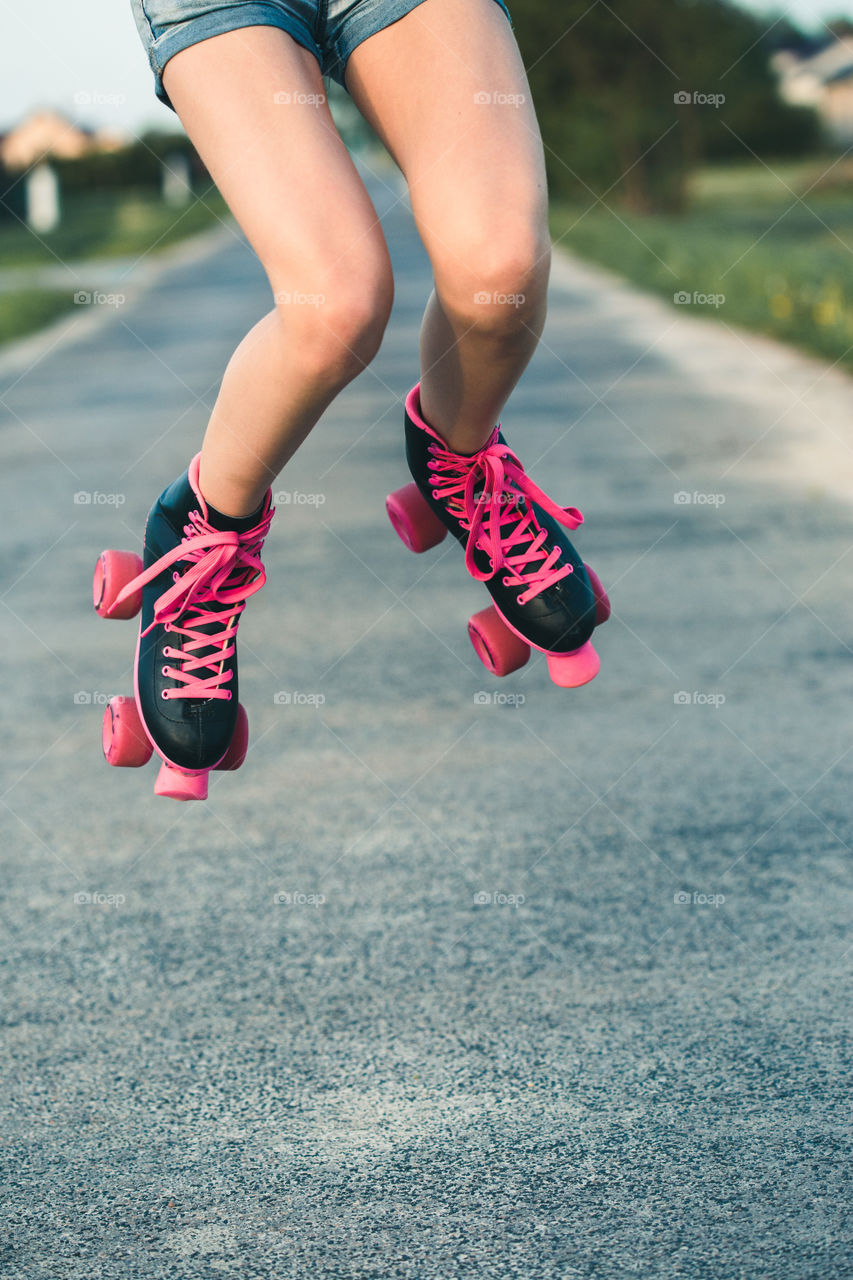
{"x": 137, "y": 167}
{"x": 628, "y": 93}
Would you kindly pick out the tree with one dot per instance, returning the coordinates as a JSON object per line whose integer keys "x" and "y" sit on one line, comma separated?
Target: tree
{"x": 632, "y": 94}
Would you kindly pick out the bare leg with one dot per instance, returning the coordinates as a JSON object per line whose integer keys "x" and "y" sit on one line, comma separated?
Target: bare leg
{"x": 252, "y": 102}
{"x": 445, "y": 89}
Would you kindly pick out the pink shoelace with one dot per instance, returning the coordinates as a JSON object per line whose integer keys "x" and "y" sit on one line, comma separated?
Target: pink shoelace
{"x": 225, "y": 569}
{"x": 497, "y": 518}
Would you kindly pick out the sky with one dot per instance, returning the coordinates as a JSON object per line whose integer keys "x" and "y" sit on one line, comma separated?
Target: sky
{"x": 92, "y": 48}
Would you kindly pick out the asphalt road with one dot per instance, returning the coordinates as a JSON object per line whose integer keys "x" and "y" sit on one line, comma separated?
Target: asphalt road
{"x": 458, "y": 977}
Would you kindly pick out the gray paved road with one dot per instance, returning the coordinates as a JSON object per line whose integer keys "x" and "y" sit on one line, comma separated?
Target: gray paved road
{"x": 561, "y": 986}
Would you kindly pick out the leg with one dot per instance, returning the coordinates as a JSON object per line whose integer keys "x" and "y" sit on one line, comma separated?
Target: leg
{"x": 252, "y": 102}
{"x": 445, "y": 89}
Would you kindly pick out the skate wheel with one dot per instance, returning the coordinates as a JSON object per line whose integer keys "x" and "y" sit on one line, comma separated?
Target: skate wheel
{"x": 236, "y": 753}
{"x": 414, "y": 519}
{"x": 177, "y": 785}
{"x": 124, "y": 740}
{"x": 602, "y": 600}
{"x": 569, "y": 670}
{"x": 114, "y": 570}
{"x": 499, "y": 649}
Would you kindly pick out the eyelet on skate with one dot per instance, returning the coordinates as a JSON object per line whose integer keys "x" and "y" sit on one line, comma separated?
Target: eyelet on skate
{"x": 164, "y": 694}
{"x": 164, "y": 671}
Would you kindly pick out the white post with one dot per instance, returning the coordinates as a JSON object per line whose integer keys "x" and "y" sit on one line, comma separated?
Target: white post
{"x": 42, "y": 194}
{"x": 177, "y": 181}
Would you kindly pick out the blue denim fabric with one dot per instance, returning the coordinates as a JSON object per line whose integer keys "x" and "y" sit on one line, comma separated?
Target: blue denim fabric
{"x": 330, "y": 29}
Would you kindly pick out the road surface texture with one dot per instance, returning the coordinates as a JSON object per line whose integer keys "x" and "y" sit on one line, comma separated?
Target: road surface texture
{"x": 458, "y": 977}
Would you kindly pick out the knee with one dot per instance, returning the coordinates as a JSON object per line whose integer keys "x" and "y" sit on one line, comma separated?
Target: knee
{"x": 497, "y": 283}
{"x": 338, "y": 325}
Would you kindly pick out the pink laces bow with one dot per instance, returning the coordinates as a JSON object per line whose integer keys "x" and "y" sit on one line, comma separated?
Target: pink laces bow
{"x": 225, "y": 568}
{"x": 497, "y": 518}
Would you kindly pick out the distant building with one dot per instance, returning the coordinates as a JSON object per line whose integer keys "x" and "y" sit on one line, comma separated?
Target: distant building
{"x": 821, "y": 76}
{"x": 46, "y": 132}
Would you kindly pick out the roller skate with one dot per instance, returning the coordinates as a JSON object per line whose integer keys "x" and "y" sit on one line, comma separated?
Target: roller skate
{"x": 191, "y": 585}
{"x": 543, "y": 595}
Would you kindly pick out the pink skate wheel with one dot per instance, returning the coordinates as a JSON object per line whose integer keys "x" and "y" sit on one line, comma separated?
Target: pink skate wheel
{"x": 236, "y": 753}
{"x": 499, "y": 649}
{"x": 124, "y": 740}
{"x": 114, "y": 570}
{"x": 602, "y": 600}
{"x": 414, "y": 519}
{"x": 177, "y": 785}
{"x": 569, "y": 670}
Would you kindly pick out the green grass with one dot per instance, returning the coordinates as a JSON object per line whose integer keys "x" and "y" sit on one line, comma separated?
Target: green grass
{"x": 93, "y": 226}
{"x": 776, "y": 242}
{"x": 108, "y": 225}
{"x": 23, "y": 311}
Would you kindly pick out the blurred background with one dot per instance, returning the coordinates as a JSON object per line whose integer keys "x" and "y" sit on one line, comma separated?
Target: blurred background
{"x": 702, "y": 149}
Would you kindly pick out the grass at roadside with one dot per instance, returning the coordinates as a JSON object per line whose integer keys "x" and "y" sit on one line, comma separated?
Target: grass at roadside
{"x": 93, "y": 226}
{"x": 108, "y": 225}
{"x": 776, "y": 245}
{"x": 24, "y": 311}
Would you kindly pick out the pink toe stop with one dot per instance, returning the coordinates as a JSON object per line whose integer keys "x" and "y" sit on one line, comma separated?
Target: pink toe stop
{"x": 178, "y": 785}
{"x": 569, "y": 670}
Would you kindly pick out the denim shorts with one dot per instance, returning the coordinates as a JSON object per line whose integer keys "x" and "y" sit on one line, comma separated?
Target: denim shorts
{"x": 330, "y": 29}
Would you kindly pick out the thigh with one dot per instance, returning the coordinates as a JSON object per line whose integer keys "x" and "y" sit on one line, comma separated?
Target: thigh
{"x": 252, "y": 101}
{"x": 445, "y": 89}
